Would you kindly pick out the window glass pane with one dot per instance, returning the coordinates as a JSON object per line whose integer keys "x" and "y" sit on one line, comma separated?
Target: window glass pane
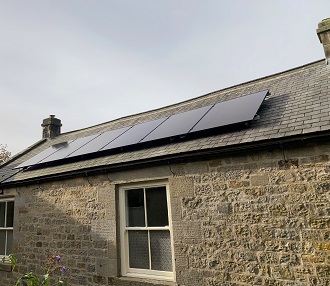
{"x": 9, "y": 242}
{"x": 135, "y": 208}
{"x": 138, "y": 249}
{"x": 156, "y": 206}
{"x": 160, "y": 245}
{"x": 2, "y": 214}
{"x": 10, "y": 214}
{"x": 2, "y": 242}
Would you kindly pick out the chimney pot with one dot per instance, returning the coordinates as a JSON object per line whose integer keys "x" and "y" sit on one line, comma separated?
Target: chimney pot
{"x": 51, "y": 127}
{"x": 323, "y": 33}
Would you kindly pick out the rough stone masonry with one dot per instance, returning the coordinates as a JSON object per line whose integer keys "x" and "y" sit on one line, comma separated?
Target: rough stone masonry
{"x": 250, "y": 218}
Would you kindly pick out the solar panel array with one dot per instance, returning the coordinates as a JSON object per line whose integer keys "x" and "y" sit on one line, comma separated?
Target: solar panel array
{"x": 226, "y": 113}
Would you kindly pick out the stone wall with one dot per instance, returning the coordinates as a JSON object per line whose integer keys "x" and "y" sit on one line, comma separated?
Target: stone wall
{"x": 255, "y": 218}
{"x": 74, "y": 219}
{"x": 259, "y": 218}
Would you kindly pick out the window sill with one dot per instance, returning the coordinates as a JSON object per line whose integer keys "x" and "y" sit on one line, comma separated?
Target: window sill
{"x": 5, "y": 266}
{"x": 146, "y": 281}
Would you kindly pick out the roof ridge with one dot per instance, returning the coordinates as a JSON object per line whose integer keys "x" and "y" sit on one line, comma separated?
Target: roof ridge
{"x": 195, "y": 99}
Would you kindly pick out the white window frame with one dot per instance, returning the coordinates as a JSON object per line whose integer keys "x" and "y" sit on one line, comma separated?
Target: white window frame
{"x": 6, "y": 228}
{"x": 134, "y": 272}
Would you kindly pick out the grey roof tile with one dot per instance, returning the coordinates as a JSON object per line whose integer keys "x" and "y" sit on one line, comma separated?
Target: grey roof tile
{"x": 314, "y": 120}
{"x": 311, "y": 129}
{"x": 299, "y": 104}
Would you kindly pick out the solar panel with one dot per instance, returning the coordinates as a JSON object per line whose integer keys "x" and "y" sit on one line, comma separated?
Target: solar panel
{"x": 42, "y": 155}
{"x": 135, "y": 134}
{"x": 233, "y": 111}
{"x": 99, "y": 142}
{"x": 69, "y": 148}
{"x": 177, "y": 124}
{"x": 226, "y": 113}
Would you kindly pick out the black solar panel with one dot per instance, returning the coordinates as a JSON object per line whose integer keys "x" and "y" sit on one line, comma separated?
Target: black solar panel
{"x": 177, "y": 124}
{"x": 69, "y": 148}
{"x": 233, "y": 111}
{"x": 226, "y": 113}
{"x": 134, "y": 135}
{"x": 99, "y": 142}
{"x": 42, "y": 155}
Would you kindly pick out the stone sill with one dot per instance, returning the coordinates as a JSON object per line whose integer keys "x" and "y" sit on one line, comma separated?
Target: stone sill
{"x": 5, "y": 266}
{"x": 145, "y": 281}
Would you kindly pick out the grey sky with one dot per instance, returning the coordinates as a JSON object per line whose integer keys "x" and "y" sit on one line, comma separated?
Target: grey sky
{"x": 89, "y": 62}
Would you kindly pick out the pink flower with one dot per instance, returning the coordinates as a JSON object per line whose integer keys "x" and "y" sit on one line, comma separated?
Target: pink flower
{"x": 62, "y": 268}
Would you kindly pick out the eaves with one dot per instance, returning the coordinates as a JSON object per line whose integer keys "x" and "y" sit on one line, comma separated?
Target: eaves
{"x": 285, "y": 142}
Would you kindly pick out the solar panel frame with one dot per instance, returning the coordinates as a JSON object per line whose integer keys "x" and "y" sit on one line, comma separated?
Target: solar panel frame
{"x": 42, "y": 155}
{"x": 99, "y": 142}
{"x": 197, "y": 122}
{"x": 135, "y": 134}
{"x": 178, "y": 124}
{"x": 69, "y": 148}
{"x": 238, "y": 110}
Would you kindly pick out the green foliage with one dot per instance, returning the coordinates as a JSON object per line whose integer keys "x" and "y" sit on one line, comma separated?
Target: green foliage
{"x": 31, "y": 279}
{"x": 12, "y": 259}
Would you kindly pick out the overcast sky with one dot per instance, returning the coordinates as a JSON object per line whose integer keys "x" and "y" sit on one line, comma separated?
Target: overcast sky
{"x": 89, "y": 62}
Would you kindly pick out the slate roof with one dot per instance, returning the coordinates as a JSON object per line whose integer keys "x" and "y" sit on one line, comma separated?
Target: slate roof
{"x": 299, "y": 105}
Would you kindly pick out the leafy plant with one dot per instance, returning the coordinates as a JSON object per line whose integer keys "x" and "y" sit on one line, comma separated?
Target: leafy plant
{"x": 4, "y": 153}
{"x": 10, "y": 258}
{"x": 53, "y": 265}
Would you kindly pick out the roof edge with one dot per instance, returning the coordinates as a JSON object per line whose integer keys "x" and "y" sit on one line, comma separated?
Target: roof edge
{"x": 169, "y": 159}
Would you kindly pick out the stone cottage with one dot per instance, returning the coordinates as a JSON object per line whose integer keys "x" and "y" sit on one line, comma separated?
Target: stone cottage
{"x": 230, "y": 188}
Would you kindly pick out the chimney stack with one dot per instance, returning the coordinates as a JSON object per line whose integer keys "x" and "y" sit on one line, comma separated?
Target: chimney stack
{"x": 323, "y": 33}
{"x": 51, "y": 127}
